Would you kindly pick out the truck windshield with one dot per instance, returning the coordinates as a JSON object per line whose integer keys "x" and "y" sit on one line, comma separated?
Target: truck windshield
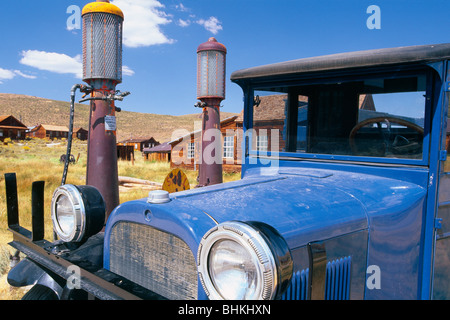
{"x": 373, "y": 117}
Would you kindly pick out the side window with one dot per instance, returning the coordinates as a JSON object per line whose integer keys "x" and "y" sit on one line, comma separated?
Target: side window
{"x": 269, "y": 121}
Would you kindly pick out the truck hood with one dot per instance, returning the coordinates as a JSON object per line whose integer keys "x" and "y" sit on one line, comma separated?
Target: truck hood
{"x": 305, "y": 205}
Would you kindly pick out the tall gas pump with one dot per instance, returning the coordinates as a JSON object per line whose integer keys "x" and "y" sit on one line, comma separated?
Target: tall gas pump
{"x": 102, "y": 71}
{"x": 211, "y": 65}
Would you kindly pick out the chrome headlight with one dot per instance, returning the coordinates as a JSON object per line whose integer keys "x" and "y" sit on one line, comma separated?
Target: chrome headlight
{"x": 244, "y": 261}
{"x": 78, "y": 212}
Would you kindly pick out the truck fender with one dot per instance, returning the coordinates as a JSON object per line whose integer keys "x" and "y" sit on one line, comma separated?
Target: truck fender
{"x": 27, "y": 273}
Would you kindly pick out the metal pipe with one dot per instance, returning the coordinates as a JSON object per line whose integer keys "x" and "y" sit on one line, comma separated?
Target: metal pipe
{"x": 69, "y": 138}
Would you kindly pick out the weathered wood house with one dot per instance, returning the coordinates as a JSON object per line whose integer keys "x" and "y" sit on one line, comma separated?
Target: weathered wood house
{"x": 185, "y": 150}
{"x": 139, "y": 143}
{"x": 268, "y": 124}
{"x": 80, "y": 133}
{"x": 43, "y": 131}
{"x": 160, "y": 153}
{"x": 125, "y": 152}
{"x": 11, "y": 128}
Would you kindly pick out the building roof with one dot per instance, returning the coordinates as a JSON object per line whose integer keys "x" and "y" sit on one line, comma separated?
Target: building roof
{"x": 10, "y": 122}
{"x": 271, "y": 107}
{"x": 226, "y": 120}
{"x": 163, "y": 147}
{"x": 137, "y": 140}
{"x": 50, "y": 127}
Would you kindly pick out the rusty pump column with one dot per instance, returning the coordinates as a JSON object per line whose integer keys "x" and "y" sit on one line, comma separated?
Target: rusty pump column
{"x": 211, "y": 65}
{"x": 102, "y": 70}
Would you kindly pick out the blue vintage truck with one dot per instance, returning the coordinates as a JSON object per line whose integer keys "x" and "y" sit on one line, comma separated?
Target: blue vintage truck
{"x": 344, "y": 195}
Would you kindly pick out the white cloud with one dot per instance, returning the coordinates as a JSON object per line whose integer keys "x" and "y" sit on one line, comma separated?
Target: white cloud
{"x": 6, "y": 74}
{"x": 143, "y": 19}
{"x": 184, "y": 23}
{"x": 27, "y": 76}
{"x": 52, "y": 61}
{"x": 10, "y": 74}
{"x": 213, "y": 24}
{"x": 126, "y": 71}
{"x": 181, "y": 8}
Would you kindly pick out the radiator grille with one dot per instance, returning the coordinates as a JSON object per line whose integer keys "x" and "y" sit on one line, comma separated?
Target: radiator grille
{"x": 156, "y": 260}
{"x": 298, "y": 290}
{"x": 338, "y": 279}
{"x": 337, "y": 282}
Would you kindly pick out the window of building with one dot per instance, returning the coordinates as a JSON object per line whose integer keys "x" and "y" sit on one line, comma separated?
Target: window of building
{"x": 262, "y": 142}
{"x": 191, "y": 150}
{"x": 228, "y": 147}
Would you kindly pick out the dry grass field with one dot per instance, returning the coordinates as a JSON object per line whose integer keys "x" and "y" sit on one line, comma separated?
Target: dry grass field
{"x": 38, "y": 159}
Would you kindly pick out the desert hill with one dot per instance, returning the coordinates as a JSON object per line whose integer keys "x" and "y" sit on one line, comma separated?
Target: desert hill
{"x": 32, "y": 111}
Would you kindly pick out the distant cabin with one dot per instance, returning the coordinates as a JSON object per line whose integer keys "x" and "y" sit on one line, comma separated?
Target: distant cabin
{"x": 185, "y": 150}
{"x": 139, "y": 143}
{"x": 125, "y": 152}
{"x": 80, "y": 134}
{"x": 43, "y": 131}
{"x": 12, "y": 128}
{"x": 160, "y": 153}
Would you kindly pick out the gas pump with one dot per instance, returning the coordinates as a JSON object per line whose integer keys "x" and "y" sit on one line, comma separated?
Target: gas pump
{"x": 102, "y": 71}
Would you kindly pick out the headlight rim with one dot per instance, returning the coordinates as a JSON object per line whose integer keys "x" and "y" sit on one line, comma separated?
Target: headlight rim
{"x": 79, "y": 211}
{"x": 89, "y": 210}
{"x": 258, "y": 244}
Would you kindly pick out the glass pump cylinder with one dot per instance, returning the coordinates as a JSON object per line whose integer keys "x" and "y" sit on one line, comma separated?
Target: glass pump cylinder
{"x": 211, "y": 62}
{"x": 102, "y": 42}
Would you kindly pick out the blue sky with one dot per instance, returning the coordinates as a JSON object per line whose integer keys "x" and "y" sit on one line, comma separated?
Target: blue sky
{"x": 41, "y": 56}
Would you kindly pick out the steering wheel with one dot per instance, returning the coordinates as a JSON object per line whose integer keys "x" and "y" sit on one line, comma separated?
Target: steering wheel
{"x": 398, "y": 142}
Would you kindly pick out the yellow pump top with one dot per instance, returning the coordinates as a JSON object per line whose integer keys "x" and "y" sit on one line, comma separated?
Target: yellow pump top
{"x": 104, "y": 7}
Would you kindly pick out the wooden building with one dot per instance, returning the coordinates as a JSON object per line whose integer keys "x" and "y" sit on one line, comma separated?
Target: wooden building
{"x": 269, "y": 123}
{"x": 185, "y": 150}
{"x": 269, "y": 118}
{"x": 11, "y": 128}
{"x": 43, "y": 131}
{"x": 160, "y": 153}
{"x": 80, "y": 133}
{"x": 125, "y": 152}
{"x": 139, "y": 144}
